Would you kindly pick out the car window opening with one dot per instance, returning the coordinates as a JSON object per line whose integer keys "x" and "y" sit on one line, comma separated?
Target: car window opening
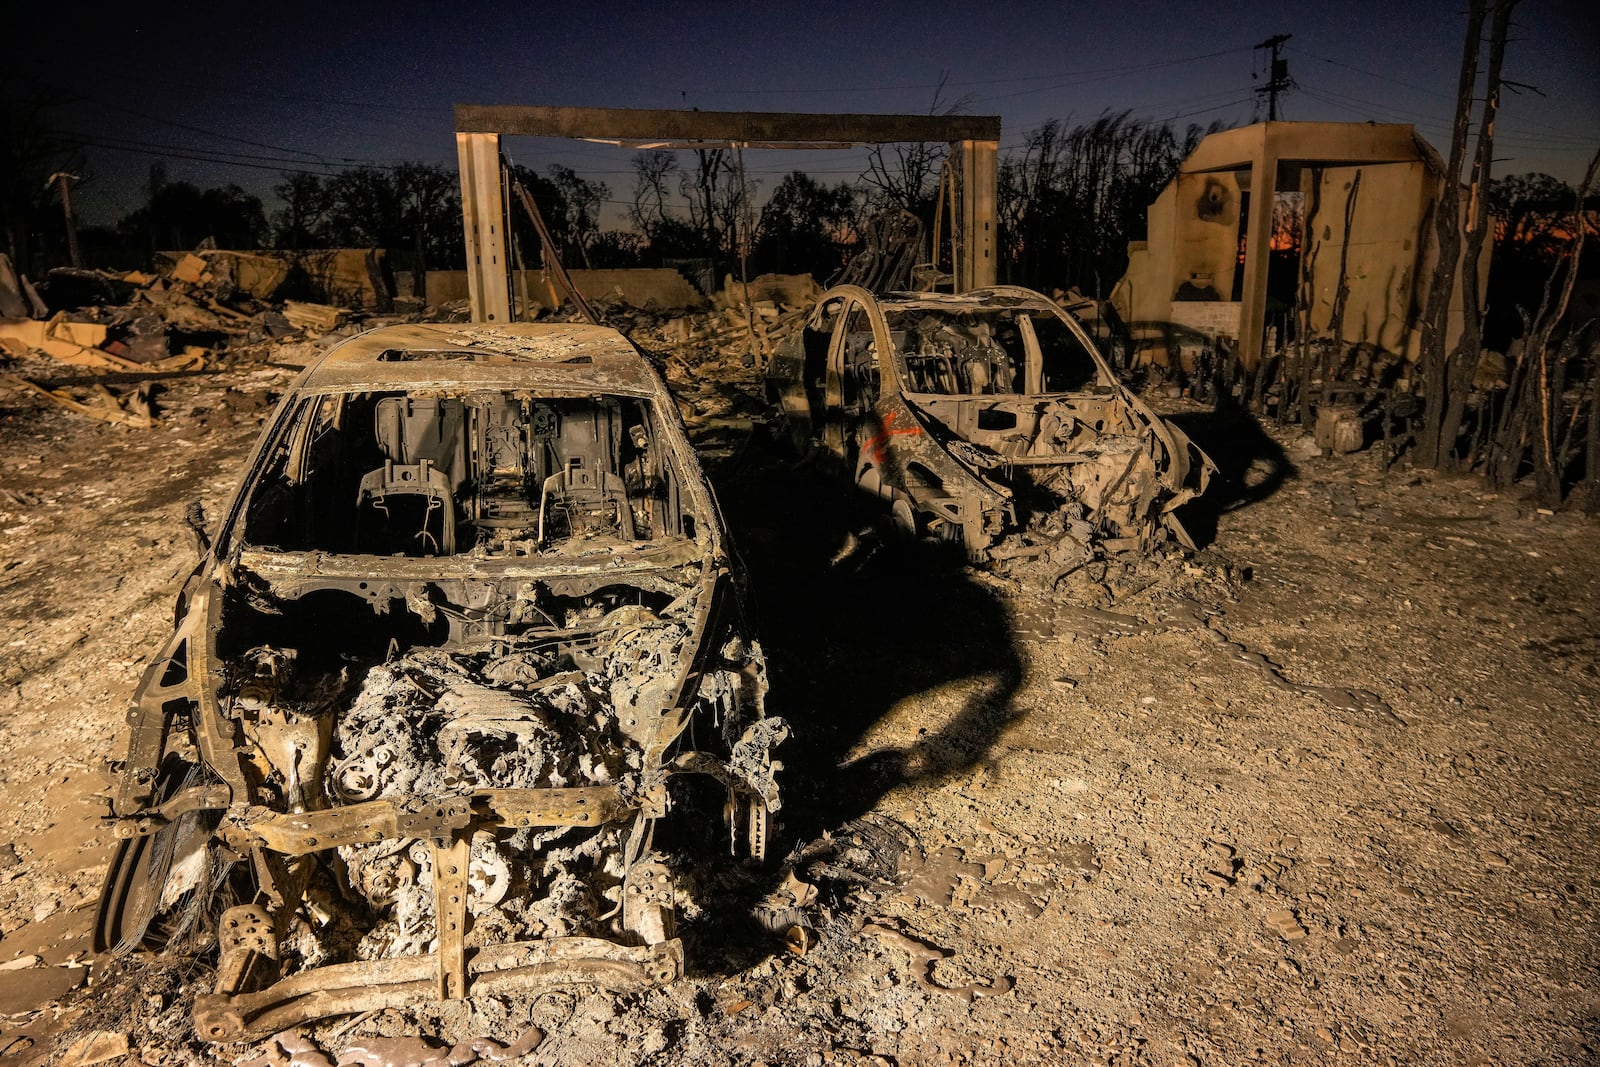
{"x": 987, "y": 354}
{"x": 489, "y": 474}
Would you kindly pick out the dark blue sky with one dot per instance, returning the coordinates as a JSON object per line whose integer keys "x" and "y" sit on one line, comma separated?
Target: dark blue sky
{"x": 257, "y": 87}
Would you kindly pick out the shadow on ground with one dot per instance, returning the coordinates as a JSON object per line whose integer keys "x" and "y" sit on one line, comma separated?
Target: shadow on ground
{"x": 852, "y": 626}
{"x": 1251, "y": 466}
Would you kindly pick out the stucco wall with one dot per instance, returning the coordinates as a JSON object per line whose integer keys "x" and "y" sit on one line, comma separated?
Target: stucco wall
{"x": 1380, "y": 257}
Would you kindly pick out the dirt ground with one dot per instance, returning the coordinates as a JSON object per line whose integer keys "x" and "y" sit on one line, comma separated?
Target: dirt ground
{"x": 1325, "y": 791}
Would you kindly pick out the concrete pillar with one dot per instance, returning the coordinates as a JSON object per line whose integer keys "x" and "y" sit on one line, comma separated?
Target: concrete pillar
{"x": 1257, "y": 254}
{"x": 483, "y": 212}
{"x": 976, "y": 265}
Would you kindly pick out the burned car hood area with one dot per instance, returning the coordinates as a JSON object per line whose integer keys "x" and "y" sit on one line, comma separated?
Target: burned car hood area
{"x": 985, "y": 415}
{"x": 469, "y": 612}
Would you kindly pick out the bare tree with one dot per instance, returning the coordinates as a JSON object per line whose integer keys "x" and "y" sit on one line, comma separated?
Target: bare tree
{"x": 580, "y": 201}
{"x": 1027, "y": 183}
{"x": 430, "y": 202}
{"x": 1073, "y": 198}
{"x": 1535, "y": 422}
{"x": 652, "y": 174}
{"x": 1447, "y": 370}
{"x": 715, "y": 196}
{"x": 306, "y": 199}
{"x": 905, "y": 176}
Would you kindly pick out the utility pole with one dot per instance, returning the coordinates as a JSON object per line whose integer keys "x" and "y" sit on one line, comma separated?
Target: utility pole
{"x": 1278, "y": 80}
{"x": 64, "y": 181}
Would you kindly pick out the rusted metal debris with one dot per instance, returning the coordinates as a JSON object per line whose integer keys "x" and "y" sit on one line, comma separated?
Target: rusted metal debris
{"x": 470, "y": 611}
{"x": 985, "y": 414}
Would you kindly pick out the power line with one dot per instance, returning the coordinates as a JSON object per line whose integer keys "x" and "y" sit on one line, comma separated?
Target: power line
{"x": 1431, "y": 92}
{"x": 1109, "y": 74}
{"x": 217, "y": 156}
{"x": 1373, "y": 74}
{"x": 316, "y": 157}
{"x": 1441, "y": 125}
{"x": 110, "y": 140}
{"x": 1447, "y": 120}
{"x": 306, "y": 157}
{"x": 162, "y": 154}
{"x": 1355, "y": 104}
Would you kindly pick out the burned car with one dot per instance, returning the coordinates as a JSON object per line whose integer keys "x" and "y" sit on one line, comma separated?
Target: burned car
{"x": 983, "y": 413}
{"x": 469, "y": 613}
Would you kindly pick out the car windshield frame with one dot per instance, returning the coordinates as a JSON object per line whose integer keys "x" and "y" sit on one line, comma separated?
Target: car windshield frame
{"x": 1022, "y": 314}
{"x": 301, "y": 407}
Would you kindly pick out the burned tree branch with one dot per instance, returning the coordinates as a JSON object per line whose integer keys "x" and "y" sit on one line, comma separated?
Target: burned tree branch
{"x": 1432, "y": 448}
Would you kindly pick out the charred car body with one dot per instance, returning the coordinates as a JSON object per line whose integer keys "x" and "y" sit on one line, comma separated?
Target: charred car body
{"x": 469, "y": 611}
{"x": 982, "y": 413}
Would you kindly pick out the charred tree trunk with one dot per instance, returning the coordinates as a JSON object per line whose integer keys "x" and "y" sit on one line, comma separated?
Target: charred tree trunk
{"x": 1431, "y": 446}
{"x": 1310, "y": 248}
{"x": 1462, "y": 363}
{"x": 1552, "y": 381}
{"x": 1547, "y": 465}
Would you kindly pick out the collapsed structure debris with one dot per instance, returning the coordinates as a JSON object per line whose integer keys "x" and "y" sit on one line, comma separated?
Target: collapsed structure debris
{"x": 132, "y": 409}
{"x": 345, "y": 277}
{"x": 202, "y": 310}
{"x": 707, "y": 355}
{"x": 468, "y": 616}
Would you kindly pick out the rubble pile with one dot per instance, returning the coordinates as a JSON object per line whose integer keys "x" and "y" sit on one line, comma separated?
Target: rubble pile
{"x": 211, "y": 309}
{"x": 183, "y": 318}
{"x": 199, "y": 312}
{"x": 712, "y": 359}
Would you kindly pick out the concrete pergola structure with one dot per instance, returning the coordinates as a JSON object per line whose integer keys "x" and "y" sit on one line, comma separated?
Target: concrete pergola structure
{"x": 974, "y": 143}
{"x": 1387, "y": 232}
{"x": 1265, "y": 147}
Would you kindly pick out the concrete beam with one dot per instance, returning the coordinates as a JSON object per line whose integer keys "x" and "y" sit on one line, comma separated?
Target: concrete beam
{"x": 744, "y": 127}
{"x": 1314, "y": 142}
{"x": 974, "y": 142}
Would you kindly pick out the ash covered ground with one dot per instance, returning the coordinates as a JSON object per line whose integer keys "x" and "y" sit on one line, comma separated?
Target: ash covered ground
{"x": 1325, "y": 789}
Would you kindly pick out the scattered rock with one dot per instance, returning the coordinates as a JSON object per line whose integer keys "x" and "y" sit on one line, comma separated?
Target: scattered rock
{"x": 1284, "y": 923}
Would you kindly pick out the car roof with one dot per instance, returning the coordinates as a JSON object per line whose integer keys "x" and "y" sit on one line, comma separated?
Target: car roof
{"x": 989, "y": 299}
{"x": 559, "y": 358}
